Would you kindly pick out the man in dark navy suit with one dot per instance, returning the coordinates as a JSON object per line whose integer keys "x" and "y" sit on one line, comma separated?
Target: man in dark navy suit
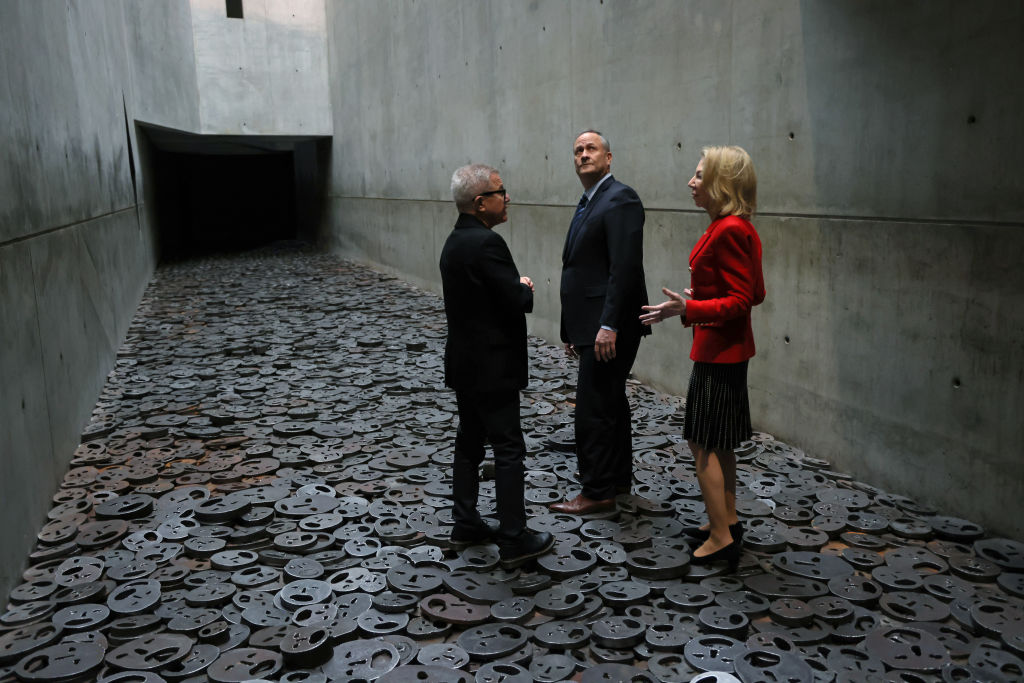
{"x": 602, "y": 291}
{"x": 485, "y": 361}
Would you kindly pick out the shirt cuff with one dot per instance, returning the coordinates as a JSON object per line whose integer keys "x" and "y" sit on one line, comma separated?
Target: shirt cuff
{"x": 610, "y": 329}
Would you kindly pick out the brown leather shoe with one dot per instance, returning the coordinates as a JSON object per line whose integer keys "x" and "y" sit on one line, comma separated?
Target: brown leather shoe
{"x": 581, "y": 505}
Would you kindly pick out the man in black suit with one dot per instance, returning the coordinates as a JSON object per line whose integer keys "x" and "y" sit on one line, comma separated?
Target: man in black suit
{"x": 602, "y": 291}
{"x": 485, "y": 361}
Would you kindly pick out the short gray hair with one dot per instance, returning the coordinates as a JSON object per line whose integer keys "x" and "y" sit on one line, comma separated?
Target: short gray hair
{"x": 604, "y": 140}
{"x": 468, "y": 182}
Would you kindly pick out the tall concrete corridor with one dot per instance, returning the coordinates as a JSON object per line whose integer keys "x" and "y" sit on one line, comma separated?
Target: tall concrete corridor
{"x": 263, "y": 493}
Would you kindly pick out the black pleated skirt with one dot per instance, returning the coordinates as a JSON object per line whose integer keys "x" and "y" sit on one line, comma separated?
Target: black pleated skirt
{"x": 717, "y": 406}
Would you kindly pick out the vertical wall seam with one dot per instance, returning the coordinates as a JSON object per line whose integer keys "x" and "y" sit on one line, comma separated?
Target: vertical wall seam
{"x": 195, "y": 69}
{"x": 42, "y": 355}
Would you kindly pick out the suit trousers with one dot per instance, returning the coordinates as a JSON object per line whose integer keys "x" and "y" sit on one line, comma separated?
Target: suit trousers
{"x": 604, "y": 433}
{"x": 493, "y": 417}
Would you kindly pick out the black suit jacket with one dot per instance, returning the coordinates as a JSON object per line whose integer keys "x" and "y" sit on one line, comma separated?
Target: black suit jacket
{"x": 602, "y": 268}
{"x": 486, "y": 306}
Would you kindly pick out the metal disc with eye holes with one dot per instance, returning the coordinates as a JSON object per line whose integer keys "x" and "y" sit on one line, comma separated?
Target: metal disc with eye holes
{"x": 390, "y": 601}
{"x": 502, "y": 672}
{"x": 306, "y": 646}
{"x": 481, "y": 557}
{"x": 420, "y": 580}
{"x": 418, "y": 673}
{"x": 992, "y": 617}
{"x": 956, "y": 529}
{"x": 517, "y": 609}
{"x": 991, "y": 659}
{"x": 304, "y": 593}
{"x": 134, "y": 597}
{"x": 766, "y": 640}
{"x": 750, "y": 603}
{"x": 150, "y": 652}
{"x": 620, "y": 594}
{"x": 78, "y": 570}
{"x": 194, "y": 663}
{"x": 974, "y": 568}
{"x": 552, "y": 667}
{"x": 243, "y": 664}
{"x": 672, "y": 667}
{"x": 946, "y": 587}
{"x": 725, "y": 621}
{"x": 454, "y": 610}
{"x": 772, "y": 665}
{"x": 479, "y": 588}
{"x": 862, "y": 623}
{"x": 563, "y": 565}
{"x": 667, "y": 636}
{"x": 425, "y": 628}
{"x": 657, "y": 562}
{"x": 854, "y": 664}
{"x": 80, "y": 617}
{"x": 132, "y": 677}
{"x": 618, "y": 632}
{"x": 362, "y": 659}
{"x": 781, "y": 586}
{"x": 129, "y": 506}
{"x": 443, "y": 654}
{"x": 812, "y": 565}
{"x": 374, "y": 623}
{"x": 616, "y": 673}
{"x": 607, "y": 552}
{"x": 18, "y": 642}
{"x": 65, "y": 661}
{"x": 689, "y": 597}
{"x": 713, "y": 653}
{"x": 492, "y": 641}
{"x": 562, "y": 634}
{"x": 913, "y": 606}
{"x": 557, "y": 601}
{"x": 902, "y": 647}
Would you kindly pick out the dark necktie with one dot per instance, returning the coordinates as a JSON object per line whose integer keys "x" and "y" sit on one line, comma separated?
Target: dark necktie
{"x": 577, "y": 218}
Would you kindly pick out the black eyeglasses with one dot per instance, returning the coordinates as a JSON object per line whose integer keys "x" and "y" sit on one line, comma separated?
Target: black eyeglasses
{"x": 500, "y": 190}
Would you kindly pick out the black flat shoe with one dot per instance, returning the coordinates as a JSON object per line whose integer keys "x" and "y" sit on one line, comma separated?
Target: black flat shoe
{"x": 464, "y": 536}
{"x": 529, "y": 545}
{"x": 696, "y": 532}
{"x": 729, "y": 553}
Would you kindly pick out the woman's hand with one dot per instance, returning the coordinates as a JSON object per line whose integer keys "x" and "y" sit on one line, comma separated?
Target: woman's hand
{"x": 676, "y": 305}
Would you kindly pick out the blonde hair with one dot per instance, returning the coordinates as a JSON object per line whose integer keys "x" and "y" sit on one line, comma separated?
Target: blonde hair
{"x": 730, "y": 180}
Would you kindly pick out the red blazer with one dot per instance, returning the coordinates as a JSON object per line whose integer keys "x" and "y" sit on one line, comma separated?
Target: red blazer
{"x": 726, "y": 279}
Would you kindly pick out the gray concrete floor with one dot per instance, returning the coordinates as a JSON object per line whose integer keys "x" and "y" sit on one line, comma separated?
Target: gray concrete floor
{"x": 262, "y": 494}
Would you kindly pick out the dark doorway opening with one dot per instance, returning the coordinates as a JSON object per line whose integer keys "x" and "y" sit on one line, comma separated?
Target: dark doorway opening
{"x": 221, "y": 203}
{"x": 224, "y": 194}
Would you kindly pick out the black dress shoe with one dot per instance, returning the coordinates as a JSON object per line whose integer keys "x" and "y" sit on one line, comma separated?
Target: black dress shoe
{"x": 703, "y": 534}
{"x": 465, "y": 536}
{"x": 528, "y": 545}
{"x": 729, "y": 553}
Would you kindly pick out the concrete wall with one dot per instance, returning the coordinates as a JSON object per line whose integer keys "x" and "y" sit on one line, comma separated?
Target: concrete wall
{"x": 265, "y": 73}
{"x": 887, "y": 145}
{"x": 76, "y": 247}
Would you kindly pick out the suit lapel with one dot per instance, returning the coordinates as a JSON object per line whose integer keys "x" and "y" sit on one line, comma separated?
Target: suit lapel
{"x": 570, "y": 247}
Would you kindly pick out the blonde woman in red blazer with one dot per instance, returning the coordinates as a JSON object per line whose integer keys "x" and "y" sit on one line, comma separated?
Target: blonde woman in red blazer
{"x": 725, "y": 284}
